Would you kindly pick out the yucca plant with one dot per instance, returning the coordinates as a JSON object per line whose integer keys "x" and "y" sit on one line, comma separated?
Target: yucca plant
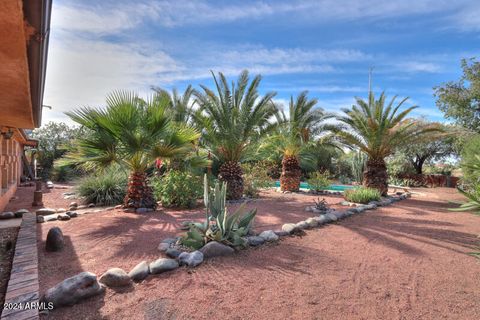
{"x": 231, "y": 119}
{"x": 295, "y": 136}
{"x": 473, "y": 203}
{"x": 131, "y": 132}
{"x": 377, "y": 129}
{"x": 219, "y": 224}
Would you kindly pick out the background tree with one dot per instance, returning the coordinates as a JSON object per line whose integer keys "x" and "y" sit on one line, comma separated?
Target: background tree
{"x": 436, "y": 147}
{"x": 133, "y": 133}
{"x": 460, "y": 100}
{"x": 231, "y": 119}
{"x": 378, "y": 130}
{"x": 53, "y": 141}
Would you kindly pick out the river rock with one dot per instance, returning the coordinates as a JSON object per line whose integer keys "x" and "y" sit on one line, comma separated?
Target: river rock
{"x": 139, "y": 272}
{"x": 290, "y": 227}
{"x": 215, "y": 249}
{"x": 312, "y": 222}
{"x": 45, "y": 211}
{"x": 141, "y": 210}
{"x": 20, "y": 213}
{"x": 268, "y": 235}
{"x": 255, "y": 241}
{"x": 72, "y": 214}
{"x": 55, "y": 241}
{"x": 191, "y": 259}
{"x": 331, "y": 216}
{"x": 7, "y": 215}
{"x": 162, "y": 265}
{"x": 172, "y": 253}
{"x": 72, "y": 290}
{"x": 302, "y": 225}
{"x": 281, "y": 233}
{"x": 115, "y": 277}
{"x": 63, "y": 217}
{"x": 321, "y": 219}
{"x": 40, "y": 219}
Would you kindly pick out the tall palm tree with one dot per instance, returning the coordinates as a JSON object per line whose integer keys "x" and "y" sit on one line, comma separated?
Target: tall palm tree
{"x": 296, "y": 138}
{"x": 133, "y": 133}
{"x": 230, "y": 119}
{"x": 377, "y": 130}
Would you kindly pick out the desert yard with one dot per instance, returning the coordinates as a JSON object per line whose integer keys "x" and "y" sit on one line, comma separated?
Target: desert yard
{"x": 407, "y": 261}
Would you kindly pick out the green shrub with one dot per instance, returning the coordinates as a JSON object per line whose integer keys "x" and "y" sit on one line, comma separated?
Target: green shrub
{"x": 104, "y": 188}
{"x": 319, "y": 181}
{"x": 471, "y": 161}
{"x": 362, "y": 195}
{"x": 255, "y": 177}
{"x": 179, "y": 189}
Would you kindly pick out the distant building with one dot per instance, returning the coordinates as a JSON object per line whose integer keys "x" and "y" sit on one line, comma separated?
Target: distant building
{"x": 24, "y": 31}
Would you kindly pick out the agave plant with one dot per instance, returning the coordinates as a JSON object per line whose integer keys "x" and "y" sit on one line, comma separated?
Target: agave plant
{"x": 230, "y": 119}
{"x": 131, "y": 132}
{"x": 219, "y": 225}
{"x": 295, "y": 137}
{"x": 473, "y": 203}
{"x": 377, "y": 129}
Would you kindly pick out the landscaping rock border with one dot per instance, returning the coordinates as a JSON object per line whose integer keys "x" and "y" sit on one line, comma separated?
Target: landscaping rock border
{"x": 177, "y": 257}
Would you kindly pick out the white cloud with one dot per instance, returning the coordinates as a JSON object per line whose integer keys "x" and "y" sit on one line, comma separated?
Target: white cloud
{"x": 418, "y": 66}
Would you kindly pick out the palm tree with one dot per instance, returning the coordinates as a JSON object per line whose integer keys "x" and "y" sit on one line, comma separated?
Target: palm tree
{"x": 295, "y": 138}
{"x": 377, "y": 130}
{"x": 181, "y": 105}
{"x": 131, "y": 132}
{"x": 231, "y": 119}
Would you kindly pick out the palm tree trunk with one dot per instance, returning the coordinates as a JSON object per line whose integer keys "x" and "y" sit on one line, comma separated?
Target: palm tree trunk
{"x": 375, "y": 175}
{"x": 291, "y": 174}
{"x": 139, "y": 194}
{"x": 231, "y": 172}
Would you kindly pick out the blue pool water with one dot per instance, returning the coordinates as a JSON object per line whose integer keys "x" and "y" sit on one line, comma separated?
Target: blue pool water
{"x": 332, "y": 187}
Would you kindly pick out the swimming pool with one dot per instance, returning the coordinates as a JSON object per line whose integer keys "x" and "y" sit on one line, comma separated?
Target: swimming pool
{"x": 332, "y": 187}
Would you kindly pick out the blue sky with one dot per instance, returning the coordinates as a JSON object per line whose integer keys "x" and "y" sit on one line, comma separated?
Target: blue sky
{"x": 325, "y": 47}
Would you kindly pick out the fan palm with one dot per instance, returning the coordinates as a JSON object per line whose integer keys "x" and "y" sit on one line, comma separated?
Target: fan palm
{"x": 133, "y": 133}
{"x": 377, "y": 129}
{"x": 294, "y": 139}
{"x": 230, "y": 119}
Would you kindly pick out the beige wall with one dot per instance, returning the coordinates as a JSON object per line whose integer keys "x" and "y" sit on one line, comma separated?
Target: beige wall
{"x": 10, "y": 168}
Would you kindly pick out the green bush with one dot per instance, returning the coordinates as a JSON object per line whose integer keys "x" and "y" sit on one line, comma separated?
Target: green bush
{"x": 104, "y": 188}
{"x": 179, "y": 189}
{"x": 471, "y": 161}
{"x": 319, "y": 181}
{"x": 362, "y": 195}
{"x": 255, "y": 177}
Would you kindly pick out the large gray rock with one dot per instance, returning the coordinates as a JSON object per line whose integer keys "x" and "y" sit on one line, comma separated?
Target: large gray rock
{"x": 141, "y": 210}
{"x": 45, "y": 211}
{"x": 215, "y": 249}
{"x": 173, "y": 253}
{"x": 115, "y": 277}
{"x": 162, "y": 265}
{"x": 72, "y": 290}
{"x": 290, "y": 228}
{"x": 20, "y": 213}
{"x": 139, "y": 272}
{"x": 255, "y": 241}
{"x": 55, "y": 241}
{"x": 52, "y": 217}
{"x": 7, "y": 215}
{"x": 268, "y": 235}
{"x": 191, "y": 259}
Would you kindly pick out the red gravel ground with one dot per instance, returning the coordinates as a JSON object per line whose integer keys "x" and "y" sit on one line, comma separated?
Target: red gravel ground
{"x": 407, "y": 261}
